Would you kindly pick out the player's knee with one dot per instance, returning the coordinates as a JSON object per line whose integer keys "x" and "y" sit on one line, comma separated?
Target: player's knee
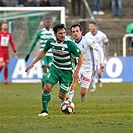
{"x": 62, "y": 96}
{"x": 47, "y": 88}
{"x": 44, "y": 69}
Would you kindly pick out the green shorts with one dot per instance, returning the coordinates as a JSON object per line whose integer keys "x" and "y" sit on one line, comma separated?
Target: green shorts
{"x": 64, "y": 77}
{"x": 46, "y": 61}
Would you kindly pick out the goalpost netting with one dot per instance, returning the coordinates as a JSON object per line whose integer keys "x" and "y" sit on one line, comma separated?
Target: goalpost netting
{"x": 24, "y": 22}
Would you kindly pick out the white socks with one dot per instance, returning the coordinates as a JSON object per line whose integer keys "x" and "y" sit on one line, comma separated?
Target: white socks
{"x": 71, "y": 94}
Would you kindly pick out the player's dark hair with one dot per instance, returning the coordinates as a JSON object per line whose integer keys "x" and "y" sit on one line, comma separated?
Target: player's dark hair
{"x": 92, "y": 22}
{"x": 58, "y": 26}
{"x": 2, "y": 24}
{"x": 46, "y": 19}
{"x": 76, "y": 25}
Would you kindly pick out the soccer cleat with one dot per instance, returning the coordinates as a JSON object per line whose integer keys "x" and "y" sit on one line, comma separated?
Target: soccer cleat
{"x": 7, "y": 83}
{"x": 99, "y": 83}
{"x": 93, "y": 89}
{"x": 43, "y": 113}
{"x": 83, "y": 98}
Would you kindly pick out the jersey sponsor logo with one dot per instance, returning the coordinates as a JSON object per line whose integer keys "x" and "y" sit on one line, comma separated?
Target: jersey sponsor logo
{"x": 93, "y": 42}
{"x": 57, "y": 51}
{"x": 86, "y": 79}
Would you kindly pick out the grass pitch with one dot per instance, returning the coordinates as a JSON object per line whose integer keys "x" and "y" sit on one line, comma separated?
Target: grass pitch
{"x": 107, "y": 110}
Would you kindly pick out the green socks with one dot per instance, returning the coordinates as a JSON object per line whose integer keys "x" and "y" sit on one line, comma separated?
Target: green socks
{"x": 45, "y": 100}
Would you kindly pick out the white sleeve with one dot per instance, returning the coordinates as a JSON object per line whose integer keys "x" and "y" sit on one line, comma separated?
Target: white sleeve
{"x": 94, "y": 45}
{"x": 105, "y": 39}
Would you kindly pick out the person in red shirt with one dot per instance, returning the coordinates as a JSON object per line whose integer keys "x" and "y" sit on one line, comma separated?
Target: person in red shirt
{"x": 5, "y": 39}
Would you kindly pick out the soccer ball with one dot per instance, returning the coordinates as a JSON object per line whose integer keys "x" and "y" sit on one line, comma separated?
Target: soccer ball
{"x": 67, "y": 107}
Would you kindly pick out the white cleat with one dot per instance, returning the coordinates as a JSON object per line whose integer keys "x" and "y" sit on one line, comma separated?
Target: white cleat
{"x": 93, "y": 89}
{"x": 43, "y": 114}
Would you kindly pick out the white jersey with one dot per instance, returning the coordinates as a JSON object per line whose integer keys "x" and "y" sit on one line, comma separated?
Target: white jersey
{"x": 101, "y": 39}
{"x": 87, "y": 45}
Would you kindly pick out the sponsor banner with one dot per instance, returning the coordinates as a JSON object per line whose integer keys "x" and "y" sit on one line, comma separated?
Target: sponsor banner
{"x": 117, "y": 69}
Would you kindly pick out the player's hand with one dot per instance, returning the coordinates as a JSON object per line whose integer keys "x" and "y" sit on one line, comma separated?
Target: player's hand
{"x": 27, "y": 57}
{"x": 29, "y": 67}
{"x": 100, "y": 71}
{"x": 15, "y": 54}
{"x": 102, "y": 67}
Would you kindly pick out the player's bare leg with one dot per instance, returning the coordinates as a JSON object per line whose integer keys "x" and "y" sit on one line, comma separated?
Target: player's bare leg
{"x": 83, "y": 92}
{"x": 6, "y": 75}
{"x": 44, "y": 75}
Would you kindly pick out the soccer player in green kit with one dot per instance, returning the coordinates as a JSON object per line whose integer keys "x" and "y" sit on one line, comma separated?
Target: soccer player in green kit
{"x": 43, "y": 35}
{"x": 61, "y": 70}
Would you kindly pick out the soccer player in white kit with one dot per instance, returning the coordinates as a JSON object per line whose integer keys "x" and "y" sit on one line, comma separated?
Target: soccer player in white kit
{"x": 103, "y": 41}
{"x": 86, "y": 45}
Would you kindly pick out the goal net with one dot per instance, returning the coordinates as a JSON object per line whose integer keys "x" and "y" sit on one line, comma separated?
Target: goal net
{"x": 24, "y": 22}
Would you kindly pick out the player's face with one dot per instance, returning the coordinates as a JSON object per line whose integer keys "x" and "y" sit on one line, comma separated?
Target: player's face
{"x": 92, "y": 28}
{"x": 76, "y": 33}
{"x": 47, "y": 23}
{"x": 60, "y": 35}
{"x": 4, "y": 27}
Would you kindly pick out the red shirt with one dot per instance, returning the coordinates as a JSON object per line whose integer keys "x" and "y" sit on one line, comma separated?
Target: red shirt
{"x": 5, "y": 39}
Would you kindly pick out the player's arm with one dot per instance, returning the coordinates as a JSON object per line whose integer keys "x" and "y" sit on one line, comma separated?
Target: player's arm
{"x": 97, "y": 47}
{"x": 38, "y": 57}
{"x": 106, "y": 43}
{"x": 107, "y": 47}
{"x": 33, "y": 45}
{"x": 13, "y": 46}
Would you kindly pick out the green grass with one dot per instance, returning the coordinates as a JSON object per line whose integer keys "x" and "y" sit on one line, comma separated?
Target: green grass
{"x": 107, "y": 110}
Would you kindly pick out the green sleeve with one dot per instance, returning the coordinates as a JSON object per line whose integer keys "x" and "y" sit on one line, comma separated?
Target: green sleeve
{"x": 47, "y": 46}
{"x": 74, "y": 49}
{"x": 35, "y": 41}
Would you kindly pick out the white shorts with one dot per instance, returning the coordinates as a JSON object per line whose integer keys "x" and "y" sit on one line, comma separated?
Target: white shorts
{"x": 85, "y": 77}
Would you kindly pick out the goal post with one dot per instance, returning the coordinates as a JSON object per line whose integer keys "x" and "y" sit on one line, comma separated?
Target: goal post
{"x": 24, "y": 9}
{"x": 24, "y": 22}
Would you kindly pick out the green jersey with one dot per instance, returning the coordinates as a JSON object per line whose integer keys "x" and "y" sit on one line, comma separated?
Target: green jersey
{"x": 63, "y": 53}
{"x": 43, "y": 35}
